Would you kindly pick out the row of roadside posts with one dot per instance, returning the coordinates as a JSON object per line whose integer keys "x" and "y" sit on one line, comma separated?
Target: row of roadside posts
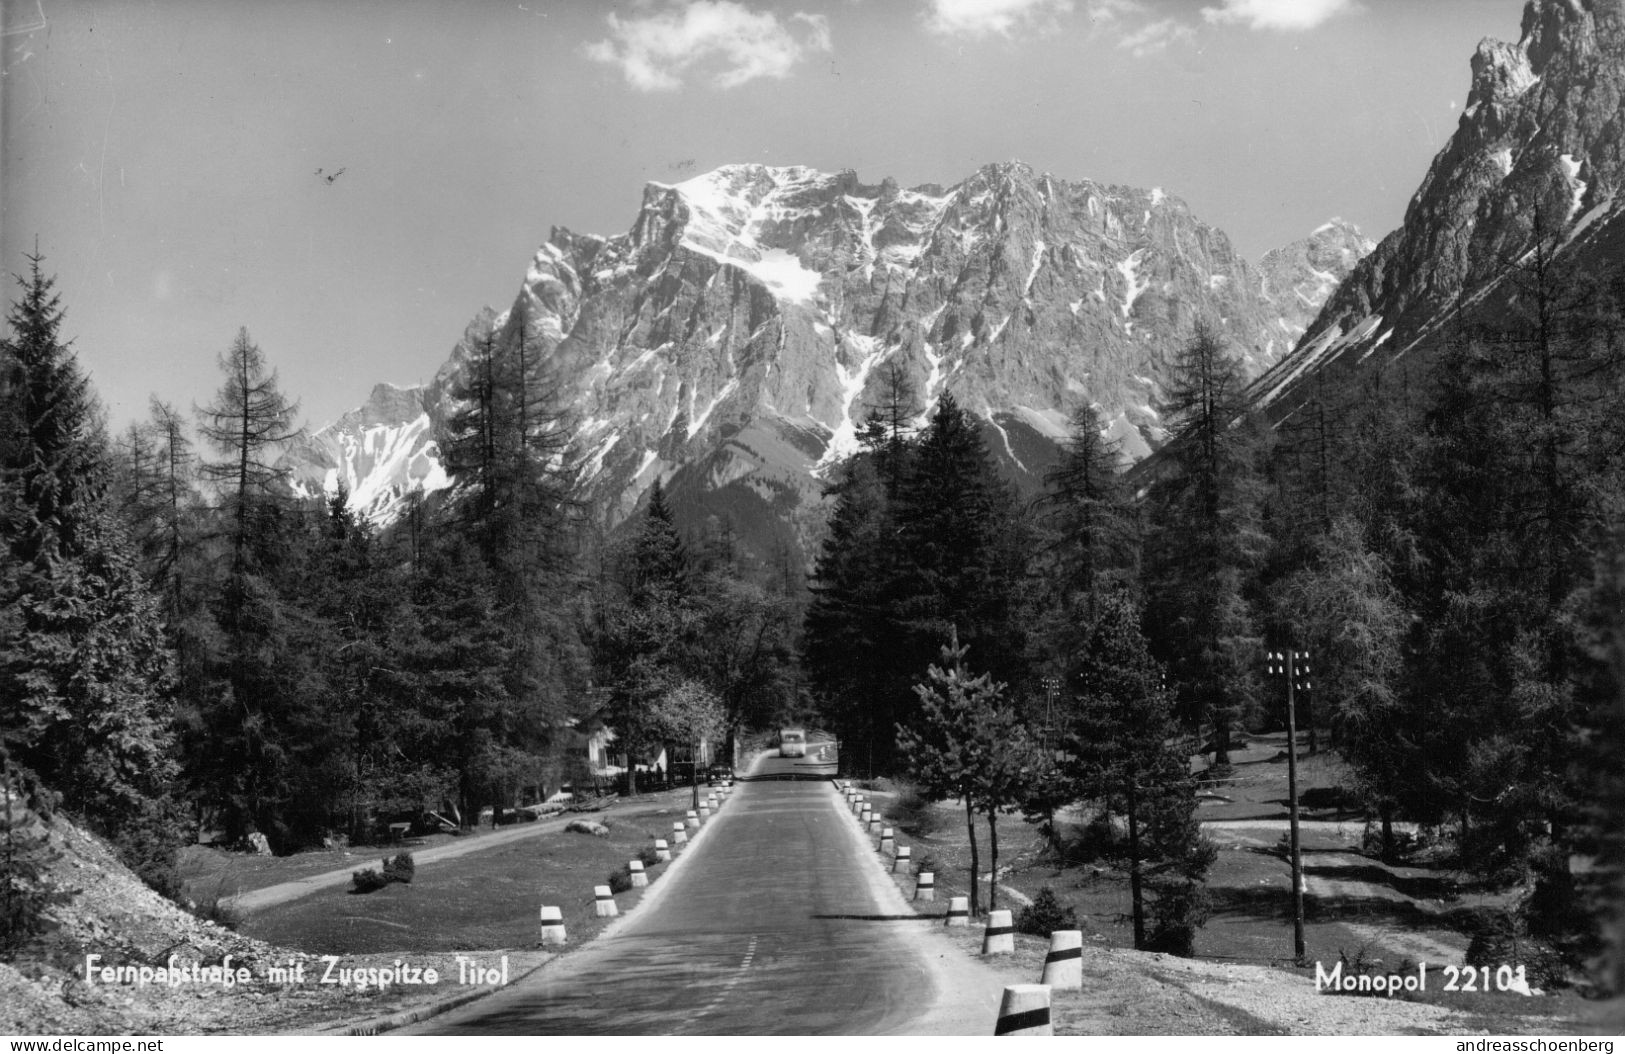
{"x": 665, "y": 851}
{"x": 1024, "y": 1010}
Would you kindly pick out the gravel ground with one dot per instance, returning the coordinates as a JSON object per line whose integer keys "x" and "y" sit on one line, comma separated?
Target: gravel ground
{"x": 1136, "y": 993}
{"x": 110, "y": 913}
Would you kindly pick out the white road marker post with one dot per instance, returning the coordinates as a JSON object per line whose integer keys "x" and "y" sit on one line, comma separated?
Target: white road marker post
{"x": 1000, "y": 936}
{"x": 552, "y": 925}
{"x": 1063, "y": 966}
{"x": 1024, "y": 1011}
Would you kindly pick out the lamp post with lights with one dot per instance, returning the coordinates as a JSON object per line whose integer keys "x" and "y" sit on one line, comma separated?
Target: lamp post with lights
{"x": 1051, "y": 686}
{"x": 1294, "y": 665}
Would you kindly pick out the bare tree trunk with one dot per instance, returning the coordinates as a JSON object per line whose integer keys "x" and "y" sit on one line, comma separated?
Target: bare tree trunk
{"x": 695, "y": 768}
{"x": 1134, "y": 879}
{"x": 970, "y": 827}
{"x": 993, "y": 858}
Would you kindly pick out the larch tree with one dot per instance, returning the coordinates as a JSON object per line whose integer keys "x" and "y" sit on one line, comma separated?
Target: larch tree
{"x": 1345, "y": 610}
{"x": 243, "y": 692}
{"x": 1204, "y": 542}
{"x": 248, "y": 423}
{"x": 513, "y": 497}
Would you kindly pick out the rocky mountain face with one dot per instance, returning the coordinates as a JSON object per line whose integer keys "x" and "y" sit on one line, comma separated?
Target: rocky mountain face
{"x": 1536, "y": 156}
{"x": 378, "y": 453}
{"x": 734, "y": 338}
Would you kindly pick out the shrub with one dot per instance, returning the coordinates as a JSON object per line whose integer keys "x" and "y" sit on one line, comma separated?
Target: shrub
{"x": 1045, "y": 915}
{"x": 1178, "y": 907}
{"x": 217, "y": 906}
{"x": 147, "y": 838}
{"x": 1330, "y": 798}
{"x": 648, "y": 856}
{"x": 1504, "y": 938}
{"x": 400, "y": 869}
{"x": 1095, "y": 841}
{"x": 27, "y": 891}
{"x": 620, "y": 879}
{"x": 911, "y": 811}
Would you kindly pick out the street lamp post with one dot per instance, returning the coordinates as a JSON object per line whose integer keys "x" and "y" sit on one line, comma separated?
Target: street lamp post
{"x": 1294, "y": 665}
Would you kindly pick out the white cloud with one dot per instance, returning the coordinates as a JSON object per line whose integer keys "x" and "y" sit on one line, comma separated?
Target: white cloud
{"x": 1107, "y": 12}
{"x": 1283, "y": 15}
{"x": 1154, "y": 37}
{"x": 724, "y": 39}
{"x": 986, "y": 18}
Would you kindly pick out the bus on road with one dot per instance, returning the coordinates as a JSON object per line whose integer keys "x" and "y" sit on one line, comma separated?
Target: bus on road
{"x": 792, "y": 743}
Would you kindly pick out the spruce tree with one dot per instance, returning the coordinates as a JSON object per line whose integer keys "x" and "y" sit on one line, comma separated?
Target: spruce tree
{"x": 1092, "y": 529}
{"x": 50, "y": 433}
{"x": 963, "y": 549}
{"x": 649, "y": 639}
{"x": 1125, "y": 750}
{"x": 1599, "y": 833}
{"x": 849, "y": 623}
{"x": 84, "y": 669}
{"x": 660, "y": 564}
{"x": 946, "y": 552}
{"x": 966, "y": 743}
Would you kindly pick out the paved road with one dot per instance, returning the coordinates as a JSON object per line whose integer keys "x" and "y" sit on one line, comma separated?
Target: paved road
{"x": 777, "y": 922}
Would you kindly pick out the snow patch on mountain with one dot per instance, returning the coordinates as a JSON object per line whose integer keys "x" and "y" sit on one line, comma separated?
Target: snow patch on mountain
{"x": 843, "y": 443}
{"x": 379, "y": 453}
{"x": 1032, "y": 272}
{"x": 696, "y": 424}
{"x": 1571, "y": 172}
{"x": 1133, "y": 285}
{"x": 1009, "y": 451}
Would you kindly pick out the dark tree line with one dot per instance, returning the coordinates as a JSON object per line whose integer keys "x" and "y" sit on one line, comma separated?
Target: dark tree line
{"x": 85, "y": 673}
{"x": 926, "y": 539}
{"x": 188, "y": 644}
{"x": 688, "y": 646}
{"x": 930, "y": 551}
{"x": 186, "y": 641}
{"x": 1442, "y": 537}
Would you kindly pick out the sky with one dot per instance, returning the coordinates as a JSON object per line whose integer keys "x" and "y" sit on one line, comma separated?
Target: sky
{"x": 352, "y": 180}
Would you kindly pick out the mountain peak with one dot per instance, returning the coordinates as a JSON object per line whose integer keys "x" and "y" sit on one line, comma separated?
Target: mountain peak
{"x": 737, "y": 337}
{"x": 1536, "y": 155}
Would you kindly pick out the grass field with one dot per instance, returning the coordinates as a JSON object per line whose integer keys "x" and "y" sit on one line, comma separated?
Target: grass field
{"x": 486, "y": 900}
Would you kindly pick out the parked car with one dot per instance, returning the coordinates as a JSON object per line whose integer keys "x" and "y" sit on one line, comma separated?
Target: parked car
{"x": 719, "y": 772}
